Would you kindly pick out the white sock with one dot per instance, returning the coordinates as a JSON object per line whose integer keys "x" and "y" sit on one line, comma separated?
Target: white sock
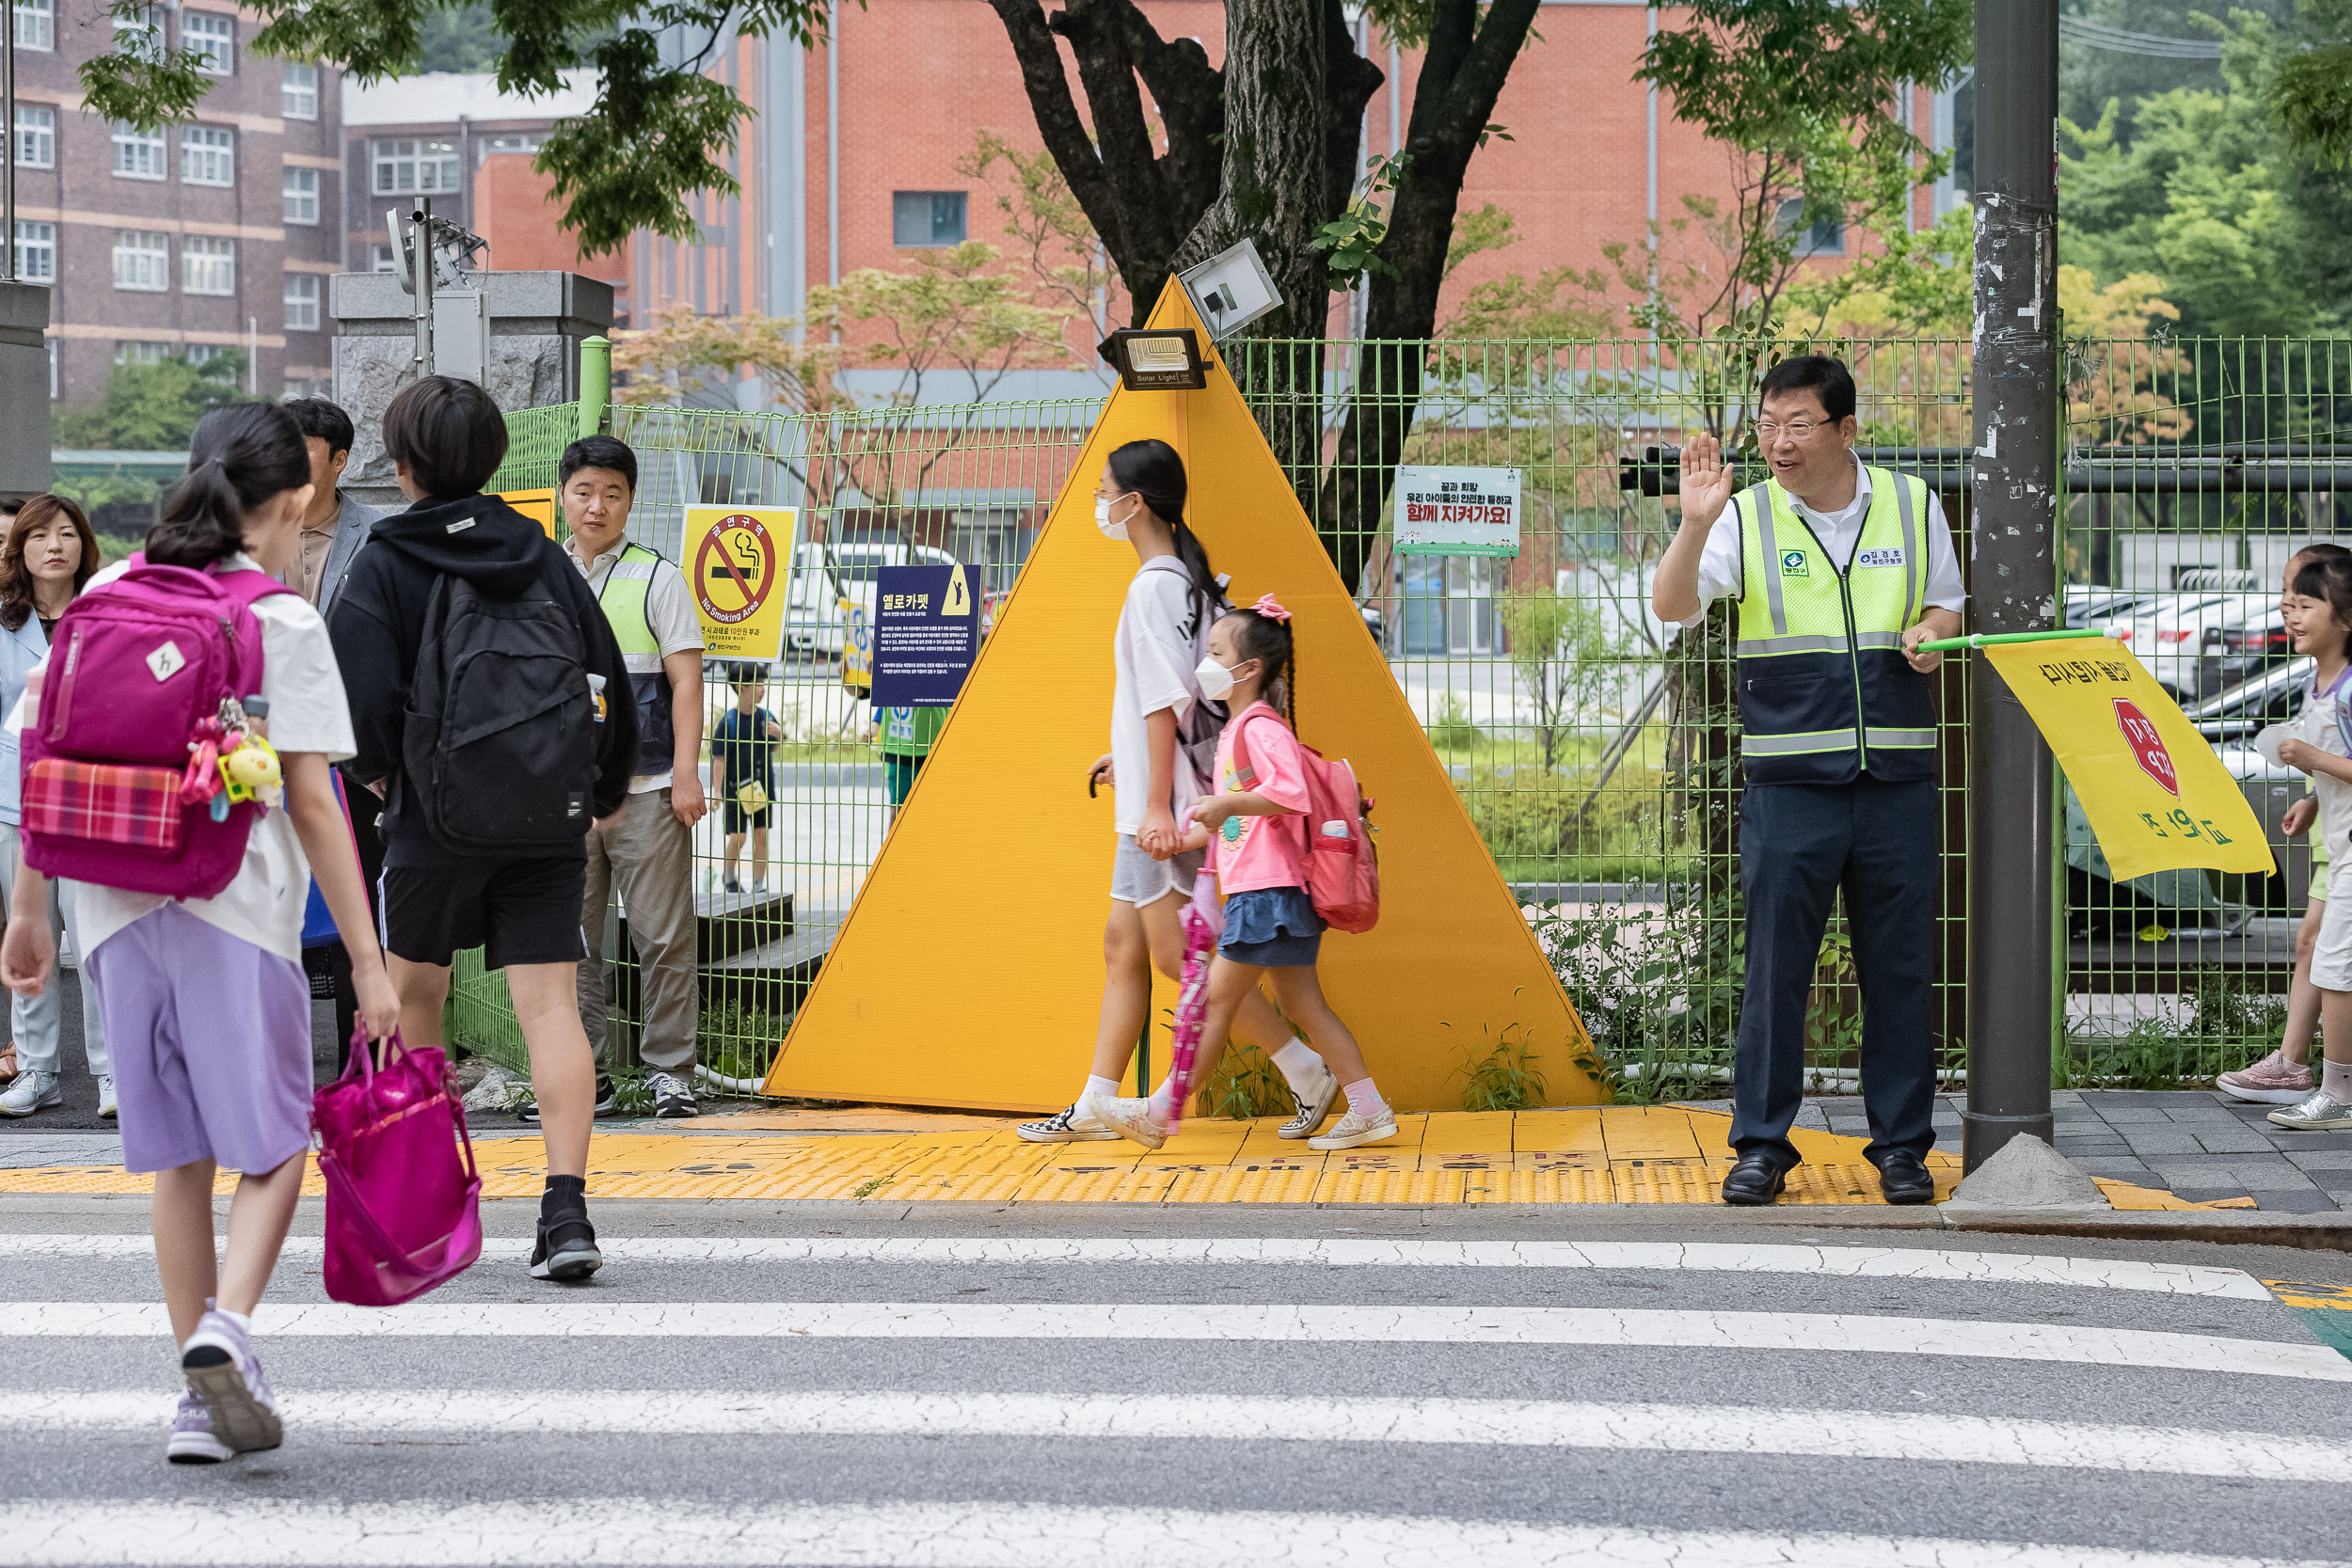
{"x": 1163, "y": 1102}
{"x": 244, "y": 1321}
{"x": 1107, "y": 1087}
{"x": 2335, "y": 1078}
{"x": 1300, "y": 1068}
{"x": 1364, "y": 1099}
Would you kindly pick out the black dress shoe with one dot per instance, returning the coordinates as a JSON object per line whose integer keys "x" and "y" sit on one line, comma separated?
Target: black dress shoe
{"x": 1904, "y": 1179}
{"x": 1755, "y": 1180}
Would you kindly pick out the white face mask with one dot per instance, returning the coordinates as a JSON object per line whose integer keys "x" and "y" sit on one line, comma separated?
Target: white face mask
{"x": 1103, "y": 519}
{"x": 1216, "y": 682}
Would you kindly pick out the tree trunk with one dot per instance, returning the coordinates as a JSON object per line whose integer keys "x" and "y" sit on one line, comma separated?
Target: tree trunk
{"x": 1462, "y": 74}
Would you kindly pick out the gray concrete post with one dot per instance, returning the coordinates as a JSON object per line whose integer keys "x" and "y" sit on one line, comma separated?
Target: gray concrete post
{"x": 24, "y": 434}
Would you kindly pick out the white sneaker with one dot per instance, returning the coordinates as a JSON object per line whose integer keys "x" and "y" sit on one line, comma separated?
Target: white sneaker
{"x": 1356, "y": 1129}
{"x": 32, "y": 1091}
{"x": 106, "y": 1095}
{"x": 1131, "y": 1119}
{"x": 2314, "y": 1112}
{"x": 1313, "y": 1106}
{"x": 1070, "y": 1126}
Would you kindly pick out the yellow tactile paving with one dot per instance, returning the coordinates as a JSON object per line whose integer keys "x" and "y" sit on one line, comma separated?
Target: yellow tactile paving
{"x": 1614, "y": 1155}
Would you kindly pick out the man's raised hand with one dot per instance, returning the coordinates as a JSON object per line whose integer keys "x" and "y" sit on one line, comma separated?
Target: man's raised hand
{"x": 1707, "y": 480}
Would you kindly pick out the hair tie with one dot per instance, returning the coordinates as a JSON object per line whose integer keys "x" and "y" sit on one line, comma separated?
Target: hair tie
{"x": 1267, "y": 607}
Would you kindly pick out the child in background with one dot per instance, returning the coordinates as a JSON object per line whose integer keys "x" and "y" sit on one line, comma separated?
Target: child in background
{"x": 743, "y": 755}
{"x": 1257, "y": 825}
{"x": 903, "y": 736}
{"x": 2285, "y": 1076}
{"x": 2322, "y": 611}
{"x": 204, "y": 1000}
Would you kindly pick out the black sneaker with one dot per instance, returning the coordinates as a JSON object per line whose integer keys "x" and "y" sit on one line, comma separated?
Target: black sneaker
{"x": 607, "y": 1102}
{"x": 671, "y": 1097}
{"x": 566, "y": 1247}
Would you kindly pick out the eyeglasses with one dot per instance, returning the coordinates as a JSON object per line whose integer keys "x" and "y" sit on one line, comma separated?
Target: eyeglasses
{"x": 1796, "y": 429}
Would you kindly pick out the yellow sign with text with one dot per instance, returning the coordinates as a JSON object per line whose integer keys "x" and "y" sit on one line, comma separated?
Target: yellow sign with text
{"x": 2156, "y": 794}
{"x": 737, "y": 560}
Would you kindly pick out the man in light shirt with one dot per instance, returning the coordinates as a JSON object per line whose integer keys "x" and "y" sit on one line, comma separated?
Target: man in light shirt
{"x": 1840, "y": 571}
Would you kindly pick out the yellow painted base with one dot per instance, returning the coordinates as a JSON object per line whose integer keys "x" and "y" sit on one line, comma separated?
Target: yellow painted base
{"x": 1582, "y": 1155}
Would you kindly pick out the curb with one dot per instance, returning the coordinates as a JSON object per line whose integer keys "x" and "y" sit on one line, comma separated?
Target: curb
{"x": 2320, "y": 1232}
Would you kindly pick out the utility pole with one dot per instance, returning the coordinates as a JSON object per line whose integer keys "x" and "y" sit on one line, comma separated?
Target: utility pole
{"x": 2014, "y": 530}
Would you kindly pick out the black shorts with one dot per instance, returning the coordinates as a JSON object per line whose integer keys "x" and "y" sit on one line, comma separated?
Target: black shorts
{"x": 524, "y": 912}
{"x": 736, "y": 820}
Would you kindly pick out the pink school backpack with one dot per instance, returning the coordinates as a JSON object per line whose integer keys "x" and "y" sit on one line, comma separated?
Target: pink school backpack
{"x": 1343, "y": 865}
{"x": 119, "y": 785}
{"x": 403, "y": 1198}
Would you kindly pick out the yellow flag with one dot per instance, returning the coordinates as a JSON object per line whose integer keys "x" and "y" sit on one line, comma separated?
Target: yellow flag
{"x": 2156, "y": 794}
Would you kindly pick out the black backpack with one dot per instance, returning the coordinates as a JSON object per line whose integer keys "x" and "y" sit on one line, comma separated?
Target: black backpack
{"x": 501, "y": 742}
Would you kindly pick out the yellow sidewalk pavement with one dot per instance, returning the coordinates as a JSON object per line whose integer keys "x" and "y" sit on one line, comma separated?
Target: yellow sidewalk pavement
{"x": 1608, "y": 1155}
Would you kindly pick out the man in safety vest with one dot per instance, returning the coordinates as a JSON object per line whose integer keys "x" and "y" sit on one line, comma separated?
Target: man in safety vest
{"x": 1841, "y": 572}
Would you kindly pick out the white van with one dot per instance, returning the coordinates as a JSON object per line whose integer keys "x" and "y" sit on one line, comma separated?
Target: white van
{"x": 815, "y": 619}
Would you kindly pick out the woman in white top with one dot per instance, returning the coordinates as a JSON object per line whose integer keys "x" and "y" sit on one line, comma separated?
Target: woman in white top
{"x": 1159, "y": 722}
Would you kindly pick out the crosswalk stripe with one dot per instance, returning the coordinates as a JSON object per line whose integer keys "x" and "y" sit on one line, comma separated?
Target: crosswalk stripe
{"x": 1859, "y": 1262}
{"x": 1837, "y": 1334}
{"x": 657, "y": 1533}
{"x": 1512, "y": 1423}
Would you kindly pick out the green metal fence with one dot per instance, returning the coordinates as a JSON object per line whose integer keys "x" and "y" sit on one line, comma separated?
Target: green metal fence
{"x": 1595, "y": 748}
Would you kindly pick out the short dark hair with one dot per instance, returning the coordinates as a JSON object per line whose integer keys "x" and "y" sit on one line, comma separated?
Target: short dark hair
{"x": 1826, "y": 378}
{"x": 326, "y": 420}
{"x": 449, "y": 432}
{"x": 597, "y": 451}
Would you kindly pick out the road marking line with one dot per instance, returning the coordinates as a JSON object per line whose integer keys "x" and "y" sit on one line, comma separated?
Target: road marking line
{"x": 1514, "y": 1423}
{"x": 1837, "y": 1334}
{"x": 655, "y": 1533}
{"x": 1860, "y": 1262}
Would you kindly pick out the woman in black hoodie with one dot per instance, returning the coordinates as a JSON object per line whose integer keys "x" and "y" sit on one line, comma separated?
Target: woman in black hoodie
{"x": 446, "y": 437}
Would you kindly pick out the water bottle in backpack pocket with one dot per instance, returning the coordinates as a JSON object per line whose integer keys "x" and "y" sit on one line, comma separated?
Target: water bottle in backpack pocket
{"x": 144, "y": 673}
{"x": 500, "y": 750}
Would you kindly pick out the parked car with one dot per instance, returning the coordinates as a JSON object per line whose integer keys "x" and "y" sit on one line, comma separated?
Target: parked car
{"x": 2240, "y": 712}
{"x": 817, "y": 615}
{"x": 2095, "y": 604}
{"x": 2167, "y": 632}
{"x": 2243, "y": 645}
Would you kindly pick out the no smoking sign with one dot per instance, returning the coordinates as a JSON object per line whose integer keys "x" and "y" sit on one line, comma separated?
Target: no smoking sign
{"x": 736, "y": 559}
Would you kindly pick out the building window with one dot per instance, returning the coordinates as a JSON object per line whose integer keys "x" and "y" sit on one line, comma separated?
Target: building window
{"x": 920, "y": 218}
{"x": 208, "y": 266}
{"x": 208, "y": 157}
{"x": 140, "y": 34}
{"x": 35, "y": 136}
{"x": 138, "y": 154}
{"x": 37, "y": 252}
{"x": 407, "y": 168}
{"x": 36, "y": 24}
{"x": 299, "y": 90}
{"x": 381, "y": 259}
{"x": 142, "y": 260}
{"x": 302, "y": 302}
{"x": 302, "y": 196}
{"x": 212, "y": 39}
{"x": 141, "y": 353}
{"x": 203, "y": 354}
{"x": 1825, "y": 238}
{"x": 514, "y": 141}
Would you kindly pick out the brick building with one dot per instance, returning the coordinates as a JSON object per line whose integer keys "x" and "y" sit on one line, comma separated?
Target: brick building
{"x": 212, "y": 237}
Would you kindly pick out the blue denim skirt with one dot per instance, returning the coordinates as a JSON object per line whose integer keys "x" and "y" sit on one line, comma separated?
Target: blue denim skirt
{"x": 1275, "y": 927}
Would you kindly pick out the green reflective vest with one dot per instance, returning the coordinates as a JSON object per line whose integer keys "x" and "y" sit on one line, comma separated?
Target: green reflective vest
{"x": 1826, "y": 693}
{"x": 623, "y": 600}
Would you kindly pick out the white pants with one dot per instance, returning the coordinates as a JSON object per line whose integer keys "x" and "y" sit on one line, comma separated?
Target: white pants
{"x": 37, "y": 1023}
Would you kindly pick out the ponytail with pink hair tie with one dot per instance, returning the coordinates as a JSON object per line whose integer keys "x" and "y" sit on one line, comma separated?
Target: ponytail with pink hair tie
{"x": 1269, "y": 609}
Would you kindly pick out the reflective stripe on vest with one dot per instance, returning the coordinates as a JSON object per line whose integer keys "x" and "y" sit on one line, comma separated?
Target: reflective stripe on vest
{"x": 623, "y": 597}
{"x": 1823, "y": 685}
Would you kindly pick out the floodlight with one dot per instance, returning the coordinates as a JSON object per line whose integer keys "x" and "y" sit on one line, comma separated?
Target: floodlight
{"x": 1156, "y": 359}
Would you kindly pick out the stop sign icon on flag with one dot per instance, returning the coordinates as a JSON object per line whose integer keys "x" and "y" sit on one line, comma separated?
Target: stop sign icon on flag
{"x": 2147, "y": 745}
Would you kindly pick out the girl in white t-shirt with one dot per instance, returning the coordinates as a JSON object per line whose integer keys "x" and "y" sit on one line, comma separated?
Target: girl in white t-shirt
{"x": 1159, "y": 722}
{"x": 204, "y": 1000}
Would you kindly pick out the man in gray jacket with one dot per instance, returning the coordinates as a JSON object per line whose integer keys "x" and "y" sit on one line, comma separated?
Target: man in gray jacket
{"x": 336, "y": 525}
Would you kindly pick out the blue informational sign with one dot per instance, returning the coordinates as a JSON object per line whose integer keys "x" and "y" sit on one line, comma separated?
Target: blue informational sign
{"x": 926, "y": 632}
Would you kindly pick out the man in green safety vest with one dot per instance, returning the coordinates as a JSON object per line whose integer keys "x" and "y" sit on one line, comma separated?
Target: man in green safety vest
{"x": 647, "y": 852}
{"x": 1840, "y": 571}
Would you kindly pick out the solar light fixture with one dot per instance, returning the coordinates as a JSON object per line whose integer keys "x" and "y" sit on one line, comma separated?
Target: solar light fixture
{"x": 1230, "y": 290}
{"x": 1156, "y": 359}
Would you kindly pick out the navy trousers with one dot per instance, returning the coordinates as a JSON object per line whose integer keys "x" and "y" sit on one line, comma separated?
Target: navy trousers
{"x": 1799, "y": 845}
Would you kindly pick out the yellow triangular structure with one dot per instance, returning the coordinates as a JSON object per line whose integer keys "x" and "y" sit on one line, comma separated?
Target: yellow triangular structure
{"x": 970, "y": 972}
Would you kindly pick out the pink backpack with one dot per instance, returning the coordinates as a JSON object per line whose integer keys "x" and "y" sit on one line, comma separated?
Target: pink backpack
{"x": 1343, "y": 865}
{"x": 403, "y": 1198}
{"x": 119, "y": 787}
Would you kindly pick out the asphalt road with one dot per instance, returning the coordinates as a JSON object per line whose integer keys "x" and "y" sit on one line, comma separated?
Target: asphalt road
{"x": 828, "y": 1385}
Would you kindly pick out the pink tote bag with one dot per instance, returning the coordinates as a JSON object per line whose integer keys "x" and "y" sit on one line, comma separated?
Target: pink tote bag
{"x": 403, "y": 1200}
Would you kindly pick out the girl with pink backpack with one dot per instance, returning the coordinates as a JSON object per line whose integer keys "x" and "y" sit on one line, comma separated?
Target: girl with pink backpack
{"x": 1283, "y": 884}
{"x": 191, "y": 888}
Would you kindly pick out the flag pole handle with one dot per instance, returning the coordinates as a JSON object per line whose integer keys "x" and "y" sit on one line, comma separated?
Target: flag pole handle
{"x": 1981, "y": 639}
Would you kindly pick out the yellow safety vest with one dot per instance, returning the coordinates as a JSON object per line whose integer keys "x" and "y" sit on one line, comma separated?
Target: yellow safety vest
{"x": 1826, "y": 693}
